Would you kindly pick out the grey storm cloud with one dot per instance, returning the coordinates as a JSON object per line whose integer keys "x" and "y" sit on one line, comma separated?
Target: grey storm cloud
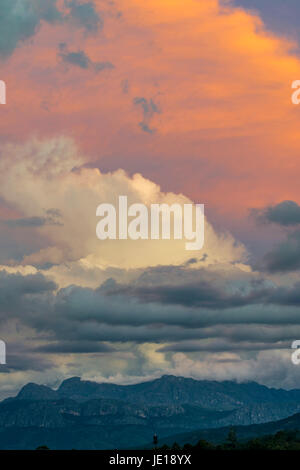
{"x": 202, "y": 294}
{"x": 284, "y": 257}
{"x": 221, "y": 346}
{"x": 149, "y": 108}
{"x": 20, "y": 356}
{"x": 81, "y": 59}
{"x": 179, "y": 285}
{"x": 75, "y": 314}
{"x": 195, "y": 295}
{"x": 286, "y": 214}
{"x": 26, "y": 362}
{"x": 17, "y": 290}
{"x": 80, "y": 347}
{"x": 20, "y": 19}
{"x": 107, "y": 320}
{"x": 19, "y": 285}
{"x": 20, "y": 236}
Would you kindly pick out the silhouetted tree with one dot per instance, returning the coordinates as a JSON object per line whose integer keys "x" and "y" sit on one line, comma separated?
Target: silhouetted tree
{"x": 176, "y": 446}
{"x": 204, "y": 445}
{"x": 231, "y": 439}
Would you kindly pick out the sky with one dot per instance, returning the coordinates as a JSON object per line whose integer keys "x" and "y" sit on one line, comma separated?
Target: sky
{"x": 280, "y": 16}
{"x": 165, "y": 102}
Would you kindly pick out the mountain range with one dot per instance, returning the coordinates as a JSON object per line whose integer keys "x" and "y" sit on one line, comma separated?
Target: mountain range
{"x": 88, "y": 415}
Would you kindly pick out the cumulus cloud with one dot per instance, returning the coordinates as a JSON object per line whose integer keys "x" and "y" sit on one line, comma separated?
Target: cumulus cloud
{"x": 53, "y": 176}
{"x": 105, "y": 316}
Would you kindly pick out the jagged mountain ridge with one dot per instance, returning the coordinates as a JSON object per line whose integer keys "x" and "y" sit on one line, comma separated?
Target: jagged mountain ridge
{"x": 166, "y": 390}
{"x": 111, "y": 416}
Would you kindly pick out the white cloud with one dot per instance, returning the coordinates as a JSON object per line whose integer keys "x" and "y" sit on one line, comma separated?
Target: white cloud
{"x": 44, "y": 175}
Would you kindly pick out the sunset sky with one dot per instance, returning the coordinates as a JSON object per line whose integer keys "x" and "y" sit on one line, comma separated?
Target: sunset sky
{"x": 163, "y": 101}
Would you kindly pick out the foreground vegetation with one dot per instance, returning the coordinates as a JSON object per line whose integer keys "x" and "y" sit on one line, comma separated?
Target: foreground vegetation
{"x": 282, "y": 440}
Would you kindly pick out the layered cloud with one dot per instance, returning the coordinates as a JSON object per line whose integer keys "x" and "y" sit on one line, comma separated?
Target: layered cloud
{"x": 150, "y": 333}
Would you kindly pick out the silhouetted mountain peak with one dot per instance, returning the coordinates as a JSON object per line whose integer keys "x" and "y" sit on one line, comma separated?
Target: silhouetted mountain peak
{"x": 76, "y": 388}
{"x": 32, "y": 391}
{"x": 171, "y": 378}
{"x": 71, "y": 382}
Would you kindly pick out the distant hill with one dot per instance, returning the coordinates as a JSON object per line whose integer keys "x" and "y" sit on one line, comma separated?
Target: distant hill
{"x": 84, "y": 414}
{"x": 243, "y": 433}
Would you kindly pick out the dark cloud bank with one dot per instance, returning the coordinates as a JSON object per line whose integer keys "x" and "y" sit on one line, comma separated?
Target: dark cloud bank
{"x": 20, "y": 19}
